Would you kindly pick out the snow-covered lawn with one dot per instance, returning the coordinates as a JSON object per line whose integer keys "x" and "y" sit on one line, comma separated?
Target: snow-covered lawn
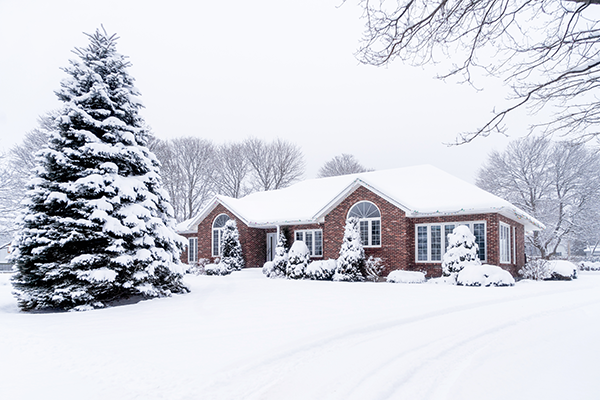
{"x": 243, "y": 336}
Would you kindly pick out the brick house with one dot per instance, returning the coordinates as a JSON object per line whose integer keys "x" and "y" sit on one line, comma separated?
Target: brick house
{"x": 405, "y": 215}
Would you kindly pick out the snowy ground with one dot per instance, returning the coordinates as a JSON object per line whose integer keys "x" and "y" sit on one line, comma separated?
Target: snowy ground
{"x": 247, "y": 337}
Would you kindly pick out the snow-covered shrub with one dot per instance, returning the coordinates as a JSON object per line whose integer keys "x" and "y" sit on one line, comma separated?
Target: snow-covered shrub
{"x": 484, "y": 275}
{"x": 462, "y": 251}
{"x": 298, "y": 259}
{"x": 278, "y": 267}
{"x": 217, "y": 269}
{"x": 589, "y": 266}
{"x": 352, "y": 254}
{"x": 197, "y": 268}
{"x": 562, "y": 270}
{"x": 399, "y": 276}
{"x": 536, "y": 269}
{"x": 321, "y": 270}
{"x": 98, "y": 226}
{"x": 231, "y": 249}
{"x": 374, "y": 268}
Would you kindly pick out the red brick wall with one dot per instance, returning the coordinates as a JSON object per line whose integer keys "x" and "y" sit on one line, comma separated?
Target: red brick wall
{"x": 492, "y": 241}
{"x": 394, "y": 239}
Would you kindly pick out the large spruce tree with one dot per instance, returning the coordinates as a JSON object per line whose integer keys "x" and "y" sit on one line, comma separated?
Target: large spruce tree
{"x": 98, "y": 226}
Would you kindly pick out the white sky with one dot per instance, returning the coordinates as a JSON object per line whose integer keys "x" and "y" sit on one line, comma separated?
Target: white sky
{"x": 268, "y": 68}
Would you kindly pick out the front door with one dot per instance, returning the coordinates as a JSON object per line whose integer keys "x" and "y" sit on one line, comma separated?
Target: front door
{"x": 271, "y": 245}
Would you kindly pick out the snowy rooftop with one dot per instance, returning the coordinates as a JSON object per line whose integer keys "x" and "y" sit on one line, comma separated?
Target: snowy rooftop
{"x": 420, "y": 191}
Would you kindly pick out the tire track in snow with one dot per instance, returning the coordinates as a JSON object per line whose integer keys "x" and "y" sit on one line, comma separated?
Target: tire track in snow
{"x": 264, "y": 373}
{"x": 441, "y": 351}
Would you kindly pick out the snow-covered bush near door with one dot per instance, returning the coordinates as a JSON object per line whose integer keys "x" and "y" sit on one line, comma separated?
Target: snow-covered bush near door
{"x": 399, "y": 276}
{"x": 298, "y": 259}
{"x": 321, "y": 270}
{"x": 484, "y": 275}
{"x": 562, "y": 270}
{"x": 278, "y": 267}
{"x": 462, "y": 251}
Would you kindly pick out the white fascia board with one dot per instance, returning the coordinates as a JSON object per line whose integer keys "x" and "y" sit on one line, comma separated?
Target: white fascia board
{"x": 512, "y": 213}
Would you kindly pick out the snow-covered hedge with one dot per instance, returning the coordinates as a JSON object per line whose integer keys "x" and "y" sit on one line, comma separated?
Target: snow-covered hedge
{"x": 321, "y": 270}
{"x": 484, "y": 275}
{"x": 217, "y": 269}
{"x": 399, "y": 276}
{"x": 562, "y": 270}
{"x": 589, "y": 266}
{"x": 535, "y": 269}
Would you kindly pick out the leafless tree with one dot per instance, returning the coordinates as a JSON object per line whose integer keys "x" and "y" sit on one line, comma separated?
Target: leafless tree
{"x": 341, "y": 165}
{"x": 232, "y": 170}
{"x": 548, "y": 51}
{"x": 556, "y": 182}
{"x": 187, "y": 171}
{"x": 16, "y": 168}
{"x": 274, "y": 165}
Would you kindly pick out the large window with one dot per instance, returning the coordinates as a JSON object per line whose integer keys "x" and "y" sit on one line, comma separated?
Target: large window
{"x": 192, "y": 250}
{"x": 505, "y": 243}
{"x": 370, "y": 223}
{"x": 432, "y": 240}
{"x": 217, "y": 234}
{"x": 313, "y": 239}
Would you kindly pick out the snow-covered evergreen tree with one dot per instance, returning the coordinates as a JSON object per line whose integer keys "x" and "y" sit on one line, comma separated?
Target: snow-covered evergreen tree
{"x": 231, "y": 249}
{"x": 278, "y": 266}
{"x": 462, "y": 251}
{"x": 98, "y": 226}
{"x": 298, "y": 259}
{"x": 352, "y": 254}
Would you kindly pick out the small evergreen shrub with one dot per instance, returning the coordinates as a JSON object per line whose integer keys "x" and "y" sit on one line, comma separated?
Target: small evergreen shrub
{"x": 462, "y": 251}
{"x": 298, "y": 259}
{"x": 231, "y": 249}
{"x": 352, "y": 254}
{"x": 322, "y": 270}
{"x": 278, "y": 267}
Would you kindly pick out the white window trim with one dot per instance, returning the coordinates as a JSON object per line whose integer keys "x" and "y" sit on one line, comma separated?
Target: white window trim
{"x": 192, "y": 250}
{"x": 444, "y": 239}
{"x": 212, "y": 236}
{"x": 505, "y": 250}
{"x": 312, "y": 251}
{"x": 370, "y": 225}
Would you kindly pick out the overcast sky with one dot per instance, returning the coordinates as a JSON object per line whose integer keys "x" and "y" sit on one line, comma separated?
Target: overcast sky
{"x": 227, "y": 70}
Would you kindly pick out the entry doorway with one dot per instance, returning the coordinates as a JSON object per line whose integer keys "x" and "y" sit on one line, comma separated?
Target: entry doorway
{"x": 271, "y": 245}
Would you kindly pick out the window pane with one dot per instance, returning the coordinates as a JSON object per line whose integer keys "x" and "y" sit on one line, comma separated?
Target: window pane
{"x": 447, "y": 230}
{"x": 422, "y": 243}
{"x": 479, "y": 232}
{"x": 436, "y": 243}
{"x": 308, "y": 236}
{"x": 299, "y": 236}
{"x": 318, "y": 243}
{"x": 375, "y": 233}
{"x": 364, "y": 233}
{"x": 215, "y": 242}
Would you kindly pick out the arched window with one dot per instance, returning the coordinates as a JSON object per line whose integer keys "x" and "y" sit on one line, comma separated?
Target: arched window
{"x": 370, "y": 222}
{"x": 217, "y": 234}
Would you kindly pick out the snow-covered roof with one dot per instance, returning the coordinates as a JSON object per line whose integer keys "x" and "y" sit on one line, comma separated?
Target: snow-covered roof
{"x": 420, "y": 191}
